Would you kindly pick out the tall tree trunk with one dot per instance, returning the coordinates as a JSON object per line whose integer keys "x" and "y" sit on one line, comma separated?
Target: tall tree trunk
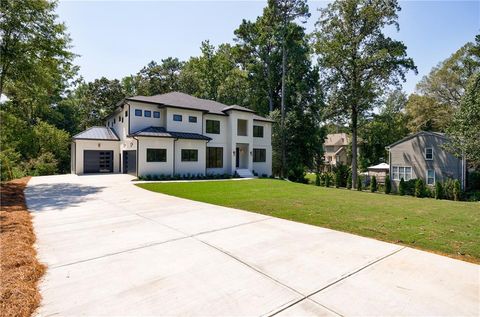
{"x": 354, "y": 147}
{"x": 284, "y": 64}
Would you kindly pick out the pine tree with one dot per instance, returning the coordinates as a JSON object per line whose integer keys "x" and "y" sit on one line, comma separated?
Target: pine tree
{"x": 388, "y": 185}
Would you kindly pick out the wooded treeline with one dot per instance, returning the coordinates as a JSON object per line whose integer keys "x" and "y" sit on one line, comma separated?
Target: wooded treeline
{"x": 333, "y": 80}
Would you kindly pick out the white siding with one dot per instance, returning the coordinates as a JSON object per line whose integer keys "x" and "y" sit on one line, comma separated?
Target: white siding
{"x": 262, "y": 168}
{"x": 154, "y": 168}
{"x": 198, "y": 167}
{"x": 138, "y": 123}
{"x": 184, "y": 125}
{"x": 81, "y": 145}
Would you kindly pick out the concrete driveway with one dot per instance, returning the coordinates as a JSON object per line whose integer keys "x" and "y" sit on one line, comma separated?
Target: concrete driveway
{"x": 115, "y": 249}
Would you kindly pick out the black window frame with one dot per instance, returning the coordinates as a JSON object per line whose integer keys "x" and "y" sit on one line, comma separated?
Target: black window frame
{"x": 258, "y": 157}
{"x": 212, "y": 126}
{"x": 176, "y": 117}
{"x": 147, "y": 113}
{"x": 192, "y": 119}
{"x": 214, "y": 157}
{"x": 138, "y": 113}
{"x": 189, "y": 155}
{"x": 156, "y": 114}
{"x": 256, "y": 129}
{"x": 156, "y": 155}
{"x": 126, "y": 113}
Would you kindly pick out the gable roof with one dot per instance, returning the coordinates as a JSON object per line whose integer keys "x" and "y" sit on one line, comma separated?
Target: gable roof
{"x": 162, "y": 133}
{"x": 337, "y": 139}
{"x": 381, "y": 166}
{"x": 411, "y": 136}
{"x": 182, "y": 100}
{"x": 97, "y": 133}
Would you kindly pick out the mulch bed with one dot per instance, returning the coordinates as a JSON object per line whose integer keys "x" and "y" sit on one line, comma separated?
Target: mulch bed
{"x": 20, "y": 270}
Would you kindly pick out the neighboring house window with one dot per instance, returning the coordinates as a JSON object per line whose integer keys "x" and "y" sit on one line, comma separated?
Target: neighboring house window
{"x": 119, "y": 118}
{"x": 126, "y": 113}
{"x": 399, "y": 172}
{"x": 242, "y": 127}
{"x": 147, "y": 113}
{"x": 259, "y": 155}
{"x": 213, "y": 126}
{"x": 113, "y": 120}
{"x": 192, "y": 119}
{"x": 214, "y": 157}
{"x": 429, "y": 153}
{"x": 177, "y": 117}
{"x": 156, "y": 155}
{"x": 258, "y": 131}
{"x": 156, "y": 114}
{"x": 329, "y": 148}
{"x": 138, "y": 112}
{"x": 189, "y": 155}
{"x": 430, "y": 177}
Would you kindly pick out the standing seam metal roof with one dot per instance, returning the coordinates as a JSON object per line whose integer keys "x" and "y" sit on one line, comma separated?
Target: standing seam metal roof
{"x": 97, "y": 133}
{"x": 161, "y": 132}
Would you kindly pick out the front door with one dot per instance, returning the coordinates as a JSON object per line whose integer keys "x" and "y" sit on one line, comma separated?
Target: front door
{"x": 130, "y": 162}
{"x": 237, "y": 158}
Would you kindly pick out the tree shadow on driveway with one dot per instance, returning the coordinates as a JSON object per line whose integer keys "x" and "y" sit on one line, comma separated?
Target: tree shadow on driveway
{"x": 58, "y": 196}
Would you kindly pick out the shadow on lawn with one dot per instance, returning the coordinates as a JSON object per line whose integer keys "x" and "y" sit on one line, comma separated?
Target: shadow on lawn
{"x": 57, "y": 196}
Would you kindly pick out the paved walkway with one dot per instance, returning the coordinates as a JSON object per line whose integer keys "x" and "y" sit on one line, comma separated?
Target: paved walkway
{"x": 115, "y": 249}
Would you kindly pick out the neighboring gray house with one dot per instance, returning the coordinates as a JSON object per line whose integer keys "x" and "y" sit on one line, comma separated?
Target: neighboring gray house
{"x": 421, "y": 155}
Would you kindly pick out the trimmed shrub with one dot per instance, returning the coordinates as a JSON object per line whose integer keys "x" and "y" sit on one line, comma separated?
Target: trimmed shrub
{"x": 402, "y": 187}
{"x": 419, "y": 188}
{"x": 457, "y": 192}
{"x": 373, "y": 184}
{"x": 438, "y": 190}
{"x": 327, "y": 180}
{"x": 349, "y": 180}
{"x": 359, "y": 183}
{"x": 338, "y": 178}
{"x": 317, "y": 179}
{"x": 388, "y": 185}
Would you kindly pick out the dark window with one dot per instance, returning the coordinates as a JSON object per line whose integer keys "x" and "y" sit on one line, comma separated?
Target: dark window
{"x": 177, "y": 117}
{"x": 259, "y": 155}
{"x": 138, "y": 112}
{"x": 156, "y": 155}
{"x": 213, "y": 126}
{"x": 189, "y": 155}
{"x": 119, "y": 119}
{"x": 429, "y": 153}
{"x": 258, "y": 131}
{"x": 126, "y": 113}
{"x": 147, "y": 113}
{"x": 214, "y": 157}
{"x": 242, "y": 127}
{"x": 192, "y": 119}
{"x": 113, "y": 120}
{"x": 156, "y": 114}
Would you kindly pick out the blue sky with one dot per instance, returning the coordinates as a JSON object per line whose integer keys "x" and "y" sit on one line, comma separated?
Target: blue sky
{"x": 117, "y": 38}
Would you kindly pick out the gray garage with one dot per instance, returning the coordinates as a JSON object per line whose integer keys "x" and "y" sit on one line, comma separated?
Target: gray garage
{"x": 97, "y": 161}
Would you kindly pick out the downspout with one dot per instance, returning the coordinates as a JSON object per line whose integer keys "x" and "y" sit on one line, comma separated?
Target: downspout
{"x": 138, "y": 162}
{"x": 174, "y": 162}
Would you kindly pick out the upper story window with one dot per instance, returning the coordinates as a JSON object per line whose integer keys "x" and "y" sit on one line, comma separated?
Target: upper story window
{"x": 177, "y": 117}
{"x": 258, "y": 131}
{"x": 147, "y": 113}
{"x": 213, "y": 126}
{"x": 192, "y": 119}
{"x": 156, "y": 155}
{"x": 113, "y": 120}
{"x": 429, "y": 153}
{"x": 242, "y": 127}
{"x": 156, "y": 114}
{"x": 189, "y": 155}
{"x": 430, "y": 177}
{"x": 138, "y": 112}
{"x": 126, "y": 113}
{"x": 119, "y": 119}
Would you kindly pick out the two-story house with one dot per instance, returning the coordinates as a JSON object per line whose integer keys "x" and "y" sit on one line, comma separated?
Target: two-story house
{"x": 335, "y": 150}
{"x": 421, "y": 155}
{"x": 175, "y": 134}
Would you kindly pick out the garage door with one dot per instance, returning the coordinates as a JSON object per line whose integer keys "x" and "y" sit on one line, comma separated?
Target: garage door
{"x": 97, "y": 161}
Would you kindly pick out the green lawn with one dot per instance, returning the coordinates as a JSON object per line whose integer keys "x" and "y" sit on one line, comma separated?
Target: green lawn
{"x": 447, "y": 227}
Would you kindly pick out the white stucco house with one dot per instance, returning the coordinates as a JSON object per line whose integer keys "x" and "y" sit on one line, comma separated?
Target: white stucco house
{"x": 175, "y": 134}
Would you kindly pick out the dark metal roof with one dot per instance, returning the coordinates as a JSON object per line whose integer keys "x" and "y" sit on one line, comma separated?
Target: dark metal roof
{"x": 181, "y": 100}
{"x": 437, "y": 134}
{"x": 259, "y": 118}
{"x": 162, "y": 133}
{"x": 97, "y": 133}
